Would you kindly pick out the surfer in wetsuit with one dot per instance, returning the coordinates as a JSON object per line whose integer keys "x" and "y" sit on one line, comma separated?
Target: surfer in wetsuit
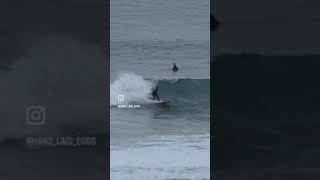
{"x": 175, "y": 68}
{"x": 155, "y": 93}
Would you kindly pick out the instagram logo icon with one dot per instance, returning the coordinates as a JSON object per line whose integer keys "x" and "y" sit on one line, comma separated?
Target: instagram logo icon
{"x": 36, "y": 115}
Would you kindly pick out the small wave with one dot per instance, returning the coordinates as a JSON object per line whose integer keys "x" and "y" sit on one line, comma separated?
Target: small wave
{"x": 136, "y": 89}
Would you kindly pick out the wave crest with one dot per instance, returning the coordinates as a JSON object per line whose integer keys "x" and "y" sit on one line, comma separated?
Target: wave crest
{"x": 135, "y": 89}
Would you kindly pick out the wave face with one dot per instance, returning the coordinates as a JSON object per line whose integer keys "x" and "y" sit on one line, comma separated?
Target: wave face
{"x": 138, "y": 90}
{"x": 185, "y": 90}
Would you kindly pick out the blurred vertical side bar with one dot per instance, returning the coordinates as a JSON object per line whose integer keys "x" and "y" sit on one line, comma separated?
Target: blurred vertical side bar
{"x": 54, "y": 90}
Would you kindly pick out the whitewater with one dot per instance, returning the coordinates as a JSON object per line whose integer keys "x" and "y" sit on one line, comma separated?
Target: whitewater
{"x": 155, "y": 143}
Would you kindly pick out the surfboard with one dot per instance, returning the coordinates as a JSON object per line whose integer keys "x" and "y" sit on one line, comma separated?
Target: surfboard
{"x": 161, "y": 102}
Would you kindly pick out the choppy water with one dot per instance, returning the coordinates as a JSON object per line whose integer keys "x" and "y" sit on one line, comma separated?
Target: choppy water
{"x": 153, "y": 142}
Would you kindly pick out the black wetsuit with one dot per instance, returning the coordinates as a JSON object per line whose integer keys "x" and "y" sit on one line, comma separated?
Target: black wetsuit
{"x": 155, "y": 93}
{"x": 175, "y": 68}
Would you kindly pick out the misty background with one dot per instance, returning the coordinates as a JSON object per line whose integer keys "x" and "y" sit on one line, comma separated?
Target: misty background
{"x": 265, "y": 90}
{"x": 54, "y": 54}
{"x": 26, "y": 22}
{"x": 268, "y": 27}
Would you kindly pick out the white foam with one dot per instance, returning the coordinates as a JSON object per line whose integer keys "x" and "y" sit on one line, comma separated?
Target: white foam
{"x": 162, "y": 157}
{"x": 133, "y": 87}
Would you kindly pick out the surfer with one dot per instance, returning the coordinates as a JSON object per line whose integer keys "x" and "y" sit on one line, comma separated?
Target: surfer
{"x": 175, "y": 68}
{"x": 155, "y": 93}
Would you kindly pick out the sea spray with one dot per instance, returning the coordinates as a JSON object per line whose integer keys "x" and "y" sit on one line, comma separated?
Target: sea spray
{"x": 132, "y": 87}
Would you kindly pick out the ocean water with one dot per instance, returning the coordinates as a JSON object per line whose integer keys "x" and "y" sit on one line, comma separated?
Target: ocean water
{"x": 148, "y": 36}
{"x": 151, "y": 141}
